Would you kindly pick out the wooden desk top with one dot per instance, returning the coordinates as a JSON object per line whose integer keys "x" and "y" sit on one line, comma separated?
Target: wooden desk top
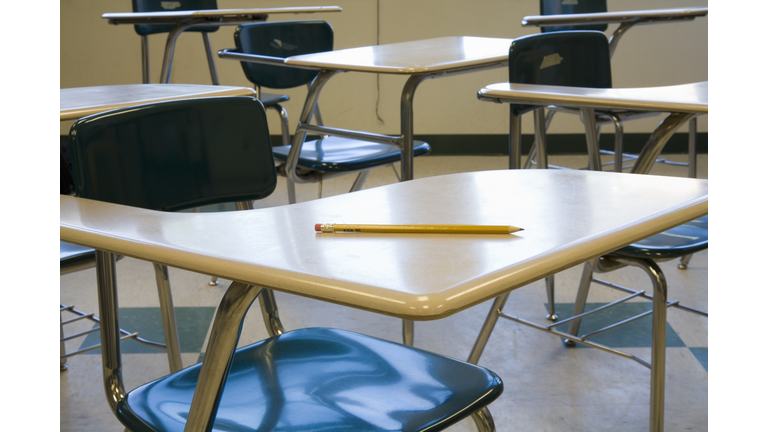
{"x": 175, "y": 15}
{"x": 640, "y": 17}
{"x": 568, "y": 217}
{"x": 413, "y": 57}
{"x": 686, "y": 98}
{"x": 78, "y": 102}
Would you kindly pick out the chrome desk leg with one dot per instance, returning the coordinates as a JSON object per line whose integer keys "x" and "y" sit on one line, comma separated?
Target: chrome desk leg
{"x": 267, "y": 300}
{"x": 145, "y": 59}
{"x": 211, "y": 63}
{"x": 110, "y": 328}
{"x": 483, "y": 420}
{"x": 658, "y": 139}
{"x": 515, "y": 140}
{"x": 307, "y": 112}
{"x": 223, "y": 340}
{"x": 539, "y": 125}
{"x": 170, "y": 46}
{"x": 406, "y": 125}
{"x": 169, "y": 319}
{"x": 487, "y": 329}
{"x": 692, "y": 148}
{"x": 593, "y": 147}
{"x": 550, "y": 287}
{"x": 618, "y": 144}
{"x": 408, "y": 332}
{"x": 581, "y": 296}
{"x": 270, "y": 313}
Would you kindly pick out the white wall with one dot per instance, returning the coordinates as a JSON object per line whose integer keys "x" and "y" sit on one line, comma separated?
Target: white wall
{"x": 96, "y": 53}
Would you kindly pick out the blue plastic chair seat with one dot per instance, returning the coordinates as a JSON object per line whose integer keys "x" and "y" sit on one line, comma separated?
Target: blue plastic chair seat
{"x": 322, "y": 379}
{"x": 334, "y": 154}
{"x": 682, "y": 240}
{"x": 70, "y": 254}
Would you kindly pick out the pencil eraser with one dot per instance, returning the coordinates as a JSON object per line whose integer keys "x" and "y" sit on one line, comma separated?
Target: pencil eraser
{"x": 317, "y": 227}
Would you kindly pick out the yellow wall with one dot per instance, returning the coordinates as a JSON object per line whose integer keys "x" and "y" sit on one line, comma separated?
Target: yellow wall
{"x": 96, "y": 53}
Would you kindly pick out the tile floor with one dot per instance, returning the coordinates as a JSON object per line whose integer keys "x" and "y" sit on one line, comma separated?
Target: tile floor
{"x": 548, "y": 387}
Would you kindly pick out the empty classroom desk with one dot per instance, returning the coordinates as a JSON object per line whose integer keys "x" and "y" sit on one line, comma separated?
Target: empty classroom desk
{"x": 394, "y": 274}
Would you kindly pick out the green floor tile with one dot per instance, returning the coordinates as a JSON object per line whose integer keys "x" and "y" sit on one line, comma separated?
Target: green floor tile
{"x": 192, "y": 324}
{"x": 702, "y": 356}
{"x": 636, "y": 334}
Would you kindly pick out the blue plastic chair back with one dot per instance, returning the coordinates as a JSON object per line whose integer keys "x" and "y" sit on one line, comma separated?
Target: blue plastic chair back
{"x": 282, "y": 39}
{"x": 565, "y": 7}
{"x": 169, "y": 6}
{"x": 568, "y": 58}
{"x": 175, "y": 155}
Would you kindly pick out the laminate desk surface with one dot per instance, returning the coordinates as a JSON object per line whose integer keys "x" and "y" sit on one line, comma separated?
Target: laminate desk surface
{"x": 171, "y": 17}
{"x": 568, "y": 217}
{"x": 689, "y": 98}
{"x": 413, "y": 57}
{"x": 79, "y": 102}
{"x": 638, "y": 17}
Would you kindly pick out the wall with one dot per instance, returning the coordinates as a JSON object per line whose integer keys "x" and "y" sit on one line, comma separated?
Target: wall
{"x": 96, "y": 53}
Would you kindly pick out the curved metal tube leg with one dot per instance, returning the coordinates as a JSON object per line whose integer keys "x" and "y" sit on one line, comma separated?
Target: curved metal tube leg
{"x": 209, "y": 54}
{"x": 225, "y": 333}
{"x": 483, "y": 420}
{"x": 298, "y": 138}
{"x": 408, "y": 332}
{"x": 549, "y": 281}
{"x": 692, "y": 148}
{"x": 487, "y": 329}
{"x": 270, "y": 314}
{"x": 145, "y": 59}
{"x": 406, "y": 126}
{"x": 658, "y": 139}
{"x": 110, "y": 328}
{"x": 169, "y": 319}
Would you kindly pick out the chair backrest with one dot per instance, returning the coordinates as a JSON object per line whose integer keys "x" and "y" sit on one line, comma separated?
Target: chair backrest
{"x": 569, "y": 58}
{"x": 168, "y": 6}
{"x": 282, "y": 39}
{"x": 175, "y": 155}
{"x": 563, "y": 7}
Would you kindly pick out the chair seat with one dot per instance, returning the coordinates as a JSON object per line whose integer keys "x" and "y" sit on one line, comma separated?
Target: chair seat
{"x": 268, "y": 99}
{"x": 70, "y": 253}
{"x": 322, "y": 379}
{"x": 334, "y": 154}
{"x": 682, "y": 240}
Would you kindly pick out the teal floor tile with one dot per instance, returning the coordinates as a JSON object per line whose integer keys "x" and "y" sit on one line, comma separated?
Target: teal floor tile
{"x": 636, "y": 334}
{"x": 702, "y": 356}
{"x": 192, "y": 324}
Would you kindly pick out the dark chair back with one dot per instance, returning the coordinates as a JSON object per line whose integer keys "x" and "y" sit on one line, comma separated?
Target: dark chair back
{"x": 568, "y": 58}
{"x": 282, "y": 39}
{"x": 175, "y": 155}
{"x": 169, "y": 6}
{"x": 564, "y": 7}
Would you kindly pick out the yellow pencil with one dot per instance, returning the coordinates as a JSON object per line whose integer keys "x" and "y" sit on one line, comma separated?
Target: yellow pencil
{"x": 435, "y": 229}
